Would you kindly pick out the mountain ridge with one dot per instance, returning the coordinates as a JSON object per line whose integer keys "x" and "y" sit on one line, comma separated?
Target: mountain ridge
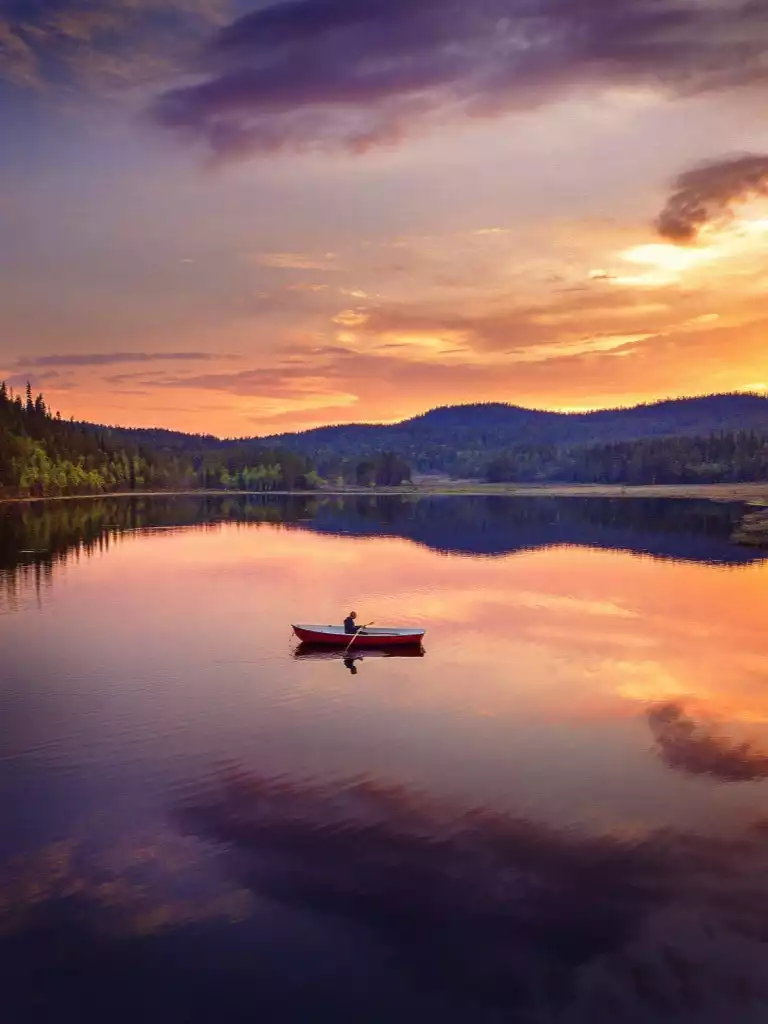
{"x": 748, "y": 402}
{"x": 706, "y": 439}
{"x": 510, "y": 410}
{"x": 464, "y": 440}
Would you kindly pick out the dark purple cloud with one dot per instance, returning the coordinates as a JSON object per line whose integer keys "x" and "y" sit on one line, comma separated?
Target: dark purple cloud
{"x": 115, "y": 358}
{"x": 705, "y": 194}
{"x": 348, "y": 74}
{"x": 80, "y": 45}
{"x": 40, "y": 381}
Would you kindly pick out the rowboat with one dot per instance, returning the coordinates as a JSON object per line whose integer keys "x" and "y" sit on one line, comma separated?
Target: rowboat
{"x": 324, "y": 652}
{"x": 368, "y": 637}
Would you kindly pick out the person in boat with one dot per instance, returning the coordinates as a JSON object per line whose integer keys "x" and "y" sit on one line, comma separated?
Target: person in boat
{"x": 350, "y": 625}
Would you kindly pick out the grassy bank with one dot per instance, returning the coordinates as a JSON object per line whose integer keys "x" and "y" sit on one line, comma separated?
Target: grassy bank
{"x": 753, "y": 530}
{"x": 754, "y": 493}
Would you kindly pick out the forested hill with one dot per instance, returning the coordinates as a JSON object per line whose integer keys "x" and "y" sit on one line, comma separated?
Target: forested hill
{"x": 463, "y": 440}
{"x": 718, "y": 438}
{"x": 43, "y": 455}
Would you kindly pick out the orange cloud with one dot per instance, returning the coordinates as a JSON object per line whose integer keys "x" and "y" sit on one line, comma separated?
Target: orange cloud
{"x": 296, "y": 261}
{"x": 494, "y": 315}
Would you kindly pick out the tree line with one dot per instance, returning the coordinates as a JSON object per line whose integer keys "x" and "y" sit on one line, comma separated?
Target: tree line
{"x": 36, "y": 537}
{"x": 726, "y": 457}
{"x": 43, "y": 455}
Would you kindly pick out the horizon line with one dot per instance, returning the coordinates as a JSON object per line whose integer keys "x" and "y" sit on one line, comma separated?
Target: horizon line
{"x": 570, "y": 414}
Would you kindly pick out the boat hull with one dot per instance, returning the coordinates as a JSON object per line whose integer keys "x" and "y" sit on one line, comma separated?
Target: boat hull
{"x": 333, "y": 636}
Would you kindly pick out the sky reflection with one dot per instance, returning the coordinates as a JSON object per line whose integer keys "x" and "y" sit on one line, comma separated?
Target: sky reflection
{"x": 556, "y": 811}
{"x": 175, "y": 645}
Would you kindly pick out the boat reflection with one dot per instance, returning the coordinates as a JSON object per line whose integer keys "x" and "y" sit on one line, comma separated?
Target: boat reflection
{"x": 320, "y": 652}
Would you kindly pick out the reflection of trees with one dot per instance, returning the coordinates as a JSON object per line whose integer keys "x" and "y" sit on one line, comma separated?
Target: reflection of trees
{"x": 694, "y": 747}
{"x": 503, "y": 915}
{"x": 54, "y": 528}
{"x": 497, "y": 525}
{"x": 35, "y": 537}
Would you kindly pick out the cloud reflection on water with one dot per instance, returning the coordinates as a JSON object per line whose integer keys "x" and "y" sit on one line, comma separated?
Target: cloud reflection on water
{"x": 695, "y": 747}
{"x": 506, "y": 914}
{"x": 500, "y": 915}
{"x": 545, "y": 670}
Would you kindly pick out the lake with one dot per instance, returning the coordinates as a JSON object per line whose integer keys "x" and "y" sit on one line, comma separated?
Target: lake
{"x": 554, "y": 813}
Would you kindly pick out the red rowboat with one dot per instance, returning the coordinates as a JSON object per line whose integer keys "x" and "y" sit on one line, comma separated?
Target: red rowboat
{"x": 367, "y": 637}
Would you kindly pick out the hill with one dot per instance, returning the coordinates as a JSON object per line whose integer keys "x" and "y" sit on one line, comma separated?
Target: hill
{"x": 711, "y": 439}
{"x": 463, "y": 440}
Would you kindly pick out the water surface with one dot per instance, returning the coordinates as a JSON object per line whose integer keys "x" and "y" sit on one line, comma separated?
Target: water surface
{"x": 554, "y": 814}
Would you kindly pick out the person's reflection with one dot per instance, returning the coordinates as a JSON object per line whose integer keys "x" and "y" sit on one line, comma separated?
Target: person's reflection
{"x": 350, "y": 664}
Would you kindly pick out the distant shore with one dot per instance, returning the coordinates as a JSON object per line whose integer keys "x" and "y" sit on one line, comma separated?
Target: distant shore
{"x": 756, "y": 493}
{"x": 752, "y": 493}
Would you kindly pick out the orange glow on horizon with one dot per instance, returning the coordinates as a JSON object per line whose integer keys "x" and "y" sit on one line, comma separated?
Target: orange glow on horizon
{"x": 527, "y": 326}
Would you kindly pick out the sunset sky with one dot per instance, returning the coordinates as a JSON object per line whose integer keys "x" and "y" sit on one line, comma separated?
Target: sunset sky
{"x": 251, "y": 217}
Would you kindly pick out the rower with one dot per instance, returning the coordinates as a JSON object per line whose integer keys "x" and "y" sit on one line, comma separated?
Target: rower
{"x": 349, "y": 623}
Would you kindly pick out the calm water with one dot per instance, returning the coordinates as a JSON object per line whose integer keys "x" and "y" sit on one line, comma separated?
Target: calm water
{"x": 556, "y": 814}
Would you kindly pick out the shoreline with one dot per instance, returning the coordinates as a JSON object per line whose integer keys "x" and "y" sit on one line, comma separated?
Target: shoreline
{"x": 749, "y": 493}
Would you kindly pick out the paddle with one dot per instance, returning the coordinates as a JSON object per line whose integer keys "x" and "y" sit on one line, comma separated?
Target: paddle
{"x": 357, "y": 631}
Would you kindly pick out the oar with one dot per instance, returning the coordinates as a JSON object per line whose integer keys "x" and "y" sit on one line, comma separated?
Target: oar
{"x": 358, "y": 630}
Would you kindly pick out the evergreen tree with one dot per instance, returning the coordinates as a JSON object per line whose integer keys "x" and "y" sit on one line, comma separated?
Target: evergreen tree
{"x": 42, "y": 455}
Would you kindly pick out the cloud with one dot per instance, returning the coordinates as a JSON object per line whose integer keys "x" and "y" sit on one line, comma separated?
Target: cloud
{"x": 296, "y": 261}
{"x": 115, "y": 358}
{"x": 50, "y": 380}
{"x": 308, "y": 373}
{"x": 562, "y": 324}
{"x": 705, "y": 194}
{"x": 18, "y": 64}
{"x": 112, "y": 44}
{"x": 692, "y": 747}
{"x": 307, "y": 381}
{"x": 604, "y": 346}
{"x": 345, "y": 75}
